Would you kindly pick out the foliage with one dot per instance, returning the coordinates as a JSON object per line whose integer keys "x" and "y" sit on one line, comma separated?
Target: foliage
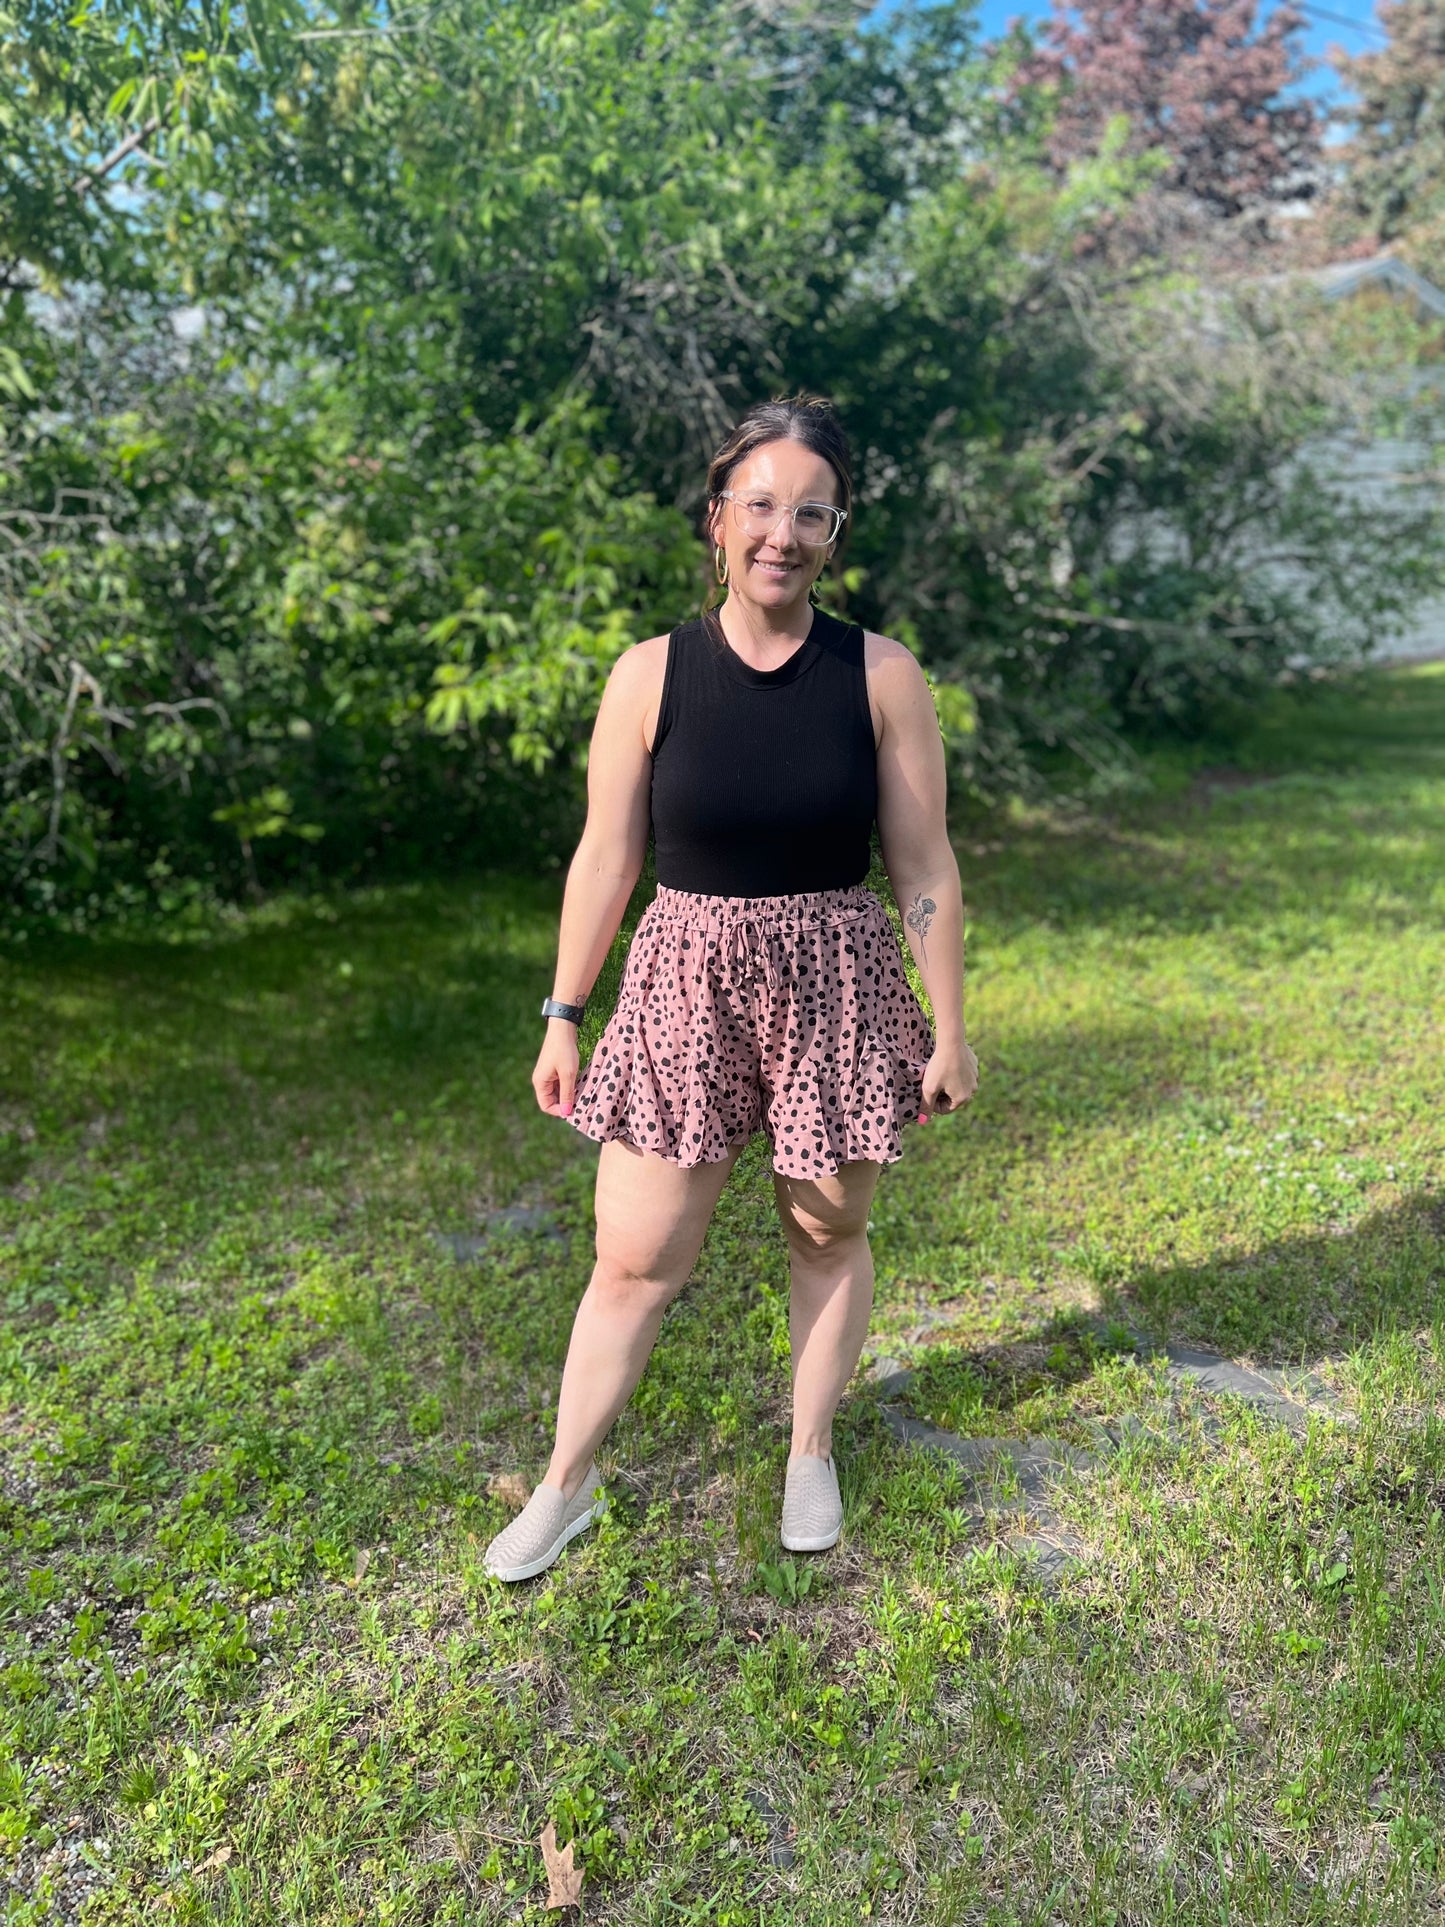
{"x": 1201, "y": 82}
{"x": 92, "y": 89}
{"x": 1116, "y": 502}
{"x": 1396, "y": 177}
{"x": 256, "y": 594}
{"x": 358, "y": 434}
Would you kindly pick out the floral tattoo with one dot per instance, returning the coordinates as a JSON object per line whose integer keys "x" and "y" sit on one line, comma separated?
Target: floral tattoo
{"x": 920, "y": 916}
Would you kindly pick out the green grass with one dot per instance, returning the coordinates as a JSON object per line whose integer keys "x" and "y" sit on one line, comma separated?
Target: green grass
{"x": 250, "y": 1411}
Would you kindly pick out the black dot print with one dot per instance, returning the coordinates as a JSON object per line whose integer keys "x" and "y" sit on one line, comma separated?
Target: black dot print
{"x": 790, "y": 1015}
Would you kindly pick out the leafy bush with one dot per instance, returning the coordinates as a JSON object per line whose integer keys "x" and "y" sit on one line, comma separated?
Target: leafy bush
{"x": 341, "y": 457}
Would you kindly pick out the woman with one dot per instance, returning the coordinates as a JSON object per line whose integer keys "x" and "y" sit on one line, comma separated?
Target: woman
{"x": 764, "y": 988}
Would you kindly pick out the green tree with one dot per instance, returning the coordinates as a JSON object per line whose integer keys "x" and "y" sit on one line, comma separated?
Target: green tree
{"x": 343, "y": 481}
{"x": 1396, "y": 155}
{"x": 96, "y": 95}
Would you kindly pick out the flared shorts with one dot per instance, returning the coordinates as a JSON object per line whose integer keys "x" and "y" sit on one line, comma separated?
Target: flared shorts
{"x": 792, "y": 1015}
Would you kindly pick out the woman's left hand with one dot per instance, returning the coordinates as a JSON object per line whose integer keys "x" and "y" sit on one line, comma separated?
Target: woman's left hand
{"x": 949, "y": 1081}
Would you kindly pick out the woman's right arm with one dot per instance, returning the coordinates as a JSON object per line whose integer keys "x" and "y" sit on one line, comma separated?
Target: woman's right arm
{"x": 608, "y": 860}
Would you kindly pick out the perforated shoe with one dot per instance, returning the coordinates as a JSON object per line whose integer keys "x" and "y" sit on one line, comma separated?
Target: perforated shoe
{"x": 544, "y": 1525}
{"x": 812, "y": 1507}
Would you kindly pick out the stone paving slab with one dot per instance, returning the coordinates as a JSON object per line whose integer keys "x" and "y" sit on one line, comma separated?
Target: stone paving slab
{"x": 1214, "y": 1373}
{"x": 1161, "y": 1427}
{"x": 466, "y": 1245}
{"x": 889, "y": 1377}
{"x": 1035, "y": 1461}
{"x": 1287, "y": 1396}
{"x": 780, "y": 1851}
{"x": 1051, "y": 1553}
{"x": 1305, "y": 1387}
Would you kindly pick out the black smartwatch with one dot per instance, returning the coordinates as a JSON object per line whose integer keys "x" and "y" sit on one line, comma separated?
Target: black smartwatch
{"x": 572, "y": 1012}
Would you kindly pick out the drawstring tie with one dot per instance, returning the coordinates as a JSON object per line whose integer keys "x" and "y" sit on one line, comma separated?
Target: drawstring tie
{"x": 746, "y": 945}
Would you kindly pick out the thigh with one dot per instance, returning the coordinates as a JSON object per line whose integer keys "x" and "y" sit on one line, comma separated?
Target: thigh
{"x": 652, "y": 1215}
{"x": 817, "y": 1212}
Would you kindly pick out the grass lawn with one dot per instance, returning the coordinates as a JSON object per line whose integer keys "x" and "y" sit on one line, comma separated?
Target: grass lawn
{"x": 257, "y": 1422}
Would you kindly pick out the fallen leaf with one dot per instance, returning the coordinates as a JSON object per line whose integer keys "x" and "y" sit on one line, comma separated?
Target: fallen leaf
{"x": 510, "y": 1487}
{"x": 363, "y": 1560}
{"x": 217, "y": 1859}
{"x": 564, "y": 1882}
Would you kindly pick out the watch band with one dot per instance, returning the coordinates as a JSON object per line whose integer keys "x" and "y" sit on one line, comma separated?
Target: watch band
{"x": 552, "y": 1007}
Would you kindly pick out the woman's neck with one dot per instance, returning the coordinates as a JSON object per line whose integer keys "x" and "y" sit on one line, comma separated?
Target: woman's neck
{"x": 771, "y": 632}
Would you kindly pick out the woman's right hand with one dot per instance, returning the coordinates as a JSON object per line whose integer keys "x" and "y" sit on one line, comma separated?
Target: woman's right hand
{"x": 555, "y": 1077}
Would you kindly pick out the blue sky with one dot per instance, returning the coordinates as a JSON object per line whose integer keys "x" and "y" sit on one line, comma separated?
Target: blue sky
{"x": 1349, "y": 24}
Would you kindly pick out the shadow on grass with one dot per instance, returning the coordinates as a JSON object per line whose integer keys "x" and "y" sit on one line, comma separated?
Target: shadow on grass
{"x": 1302, "y": 1301}
{"x": 1302, "y": 1298}
{"x": 1316, "y": 804}
{"x": 385, "y": 1005}
{"x": 976, "y": 1390}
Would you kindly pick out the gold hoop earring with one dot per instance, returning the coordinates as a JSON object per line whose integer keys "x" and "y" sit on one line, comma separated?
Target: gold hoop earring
{"x": 720, "y": 565}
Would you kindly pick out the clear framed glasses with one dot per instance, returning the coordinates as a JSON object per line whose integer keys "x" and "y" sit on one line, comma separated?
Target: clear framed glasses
{"x": 815, "y": 524}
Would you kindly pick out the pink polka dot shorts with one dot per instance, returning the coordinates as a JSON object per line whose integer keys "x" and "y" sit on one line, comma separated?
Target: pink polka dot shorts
{"x": 792, "y": 1015}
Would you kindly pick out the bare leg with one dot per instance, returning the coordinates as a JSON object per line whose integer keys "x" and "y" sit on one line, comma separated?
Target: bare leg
{"x": 825, "y": 1221}
{"x": 651, "y": 1221}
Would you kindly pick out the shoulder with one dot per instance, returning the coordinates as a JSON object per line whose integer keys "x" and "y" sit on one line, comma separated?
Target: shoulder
{"x": 639, "y": 663}
{"x": 636, "y": 677}
{"x": 899, "y": 694}
{"x": 885, "y": 657}
{"x": 634, "y": 687}
{"x": 896, "y": 681}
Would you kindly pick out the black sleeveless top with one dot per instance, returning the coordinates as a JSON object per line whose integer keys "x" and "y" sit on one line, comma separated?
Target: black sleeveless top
{"x": 764, "y": 781}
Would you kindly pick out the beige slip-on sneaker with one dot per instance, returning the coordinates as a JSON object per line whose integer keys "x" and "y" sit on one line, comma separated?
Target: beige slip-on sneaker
{"x": 812, "y": 1507}
{"x": 544, "y": 1525}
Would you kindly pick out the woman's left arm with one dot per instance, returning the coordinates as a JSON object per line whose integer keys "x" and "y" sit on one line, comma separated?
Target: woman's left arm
{"x": 919, "y": 859}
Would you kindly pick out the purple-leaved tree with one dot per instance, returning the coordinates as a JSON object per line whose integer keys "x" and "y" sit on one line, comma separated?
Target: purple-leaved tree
{"x": 1202, "y": 81}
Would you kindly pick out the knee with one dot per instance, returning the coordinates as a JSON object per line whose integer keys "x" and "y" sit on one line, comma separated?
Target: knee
{"x": 626, "y": 1284}
{"x": 821, "y": 1236}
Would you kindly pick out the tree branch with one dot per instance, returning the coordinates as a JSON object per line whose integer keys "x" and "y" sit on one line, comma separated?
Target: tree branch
{"x": 1145, "y": 625}
{"x": 116, "y": 155}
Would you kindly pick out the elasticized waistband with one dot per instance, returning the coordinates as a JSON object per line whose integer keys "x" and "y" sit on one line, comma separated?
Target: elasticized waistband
{"x": 797, "y": 912}
{"x": 750, "y": 936}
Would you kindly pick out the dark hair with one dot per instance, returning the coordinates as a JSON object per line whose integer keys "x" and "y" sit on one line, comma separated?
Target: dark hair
{"x": 809, "y": 419}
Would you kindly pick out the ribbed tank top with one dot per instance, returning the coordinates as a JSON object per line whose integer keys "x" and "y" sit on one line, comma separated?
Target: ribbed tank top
{"x": 764, "y": 781}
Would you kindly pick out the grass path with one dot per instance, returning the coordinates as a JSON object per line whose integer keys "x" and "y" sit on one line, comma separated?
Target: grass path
{"x": 257, "y": 1423}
